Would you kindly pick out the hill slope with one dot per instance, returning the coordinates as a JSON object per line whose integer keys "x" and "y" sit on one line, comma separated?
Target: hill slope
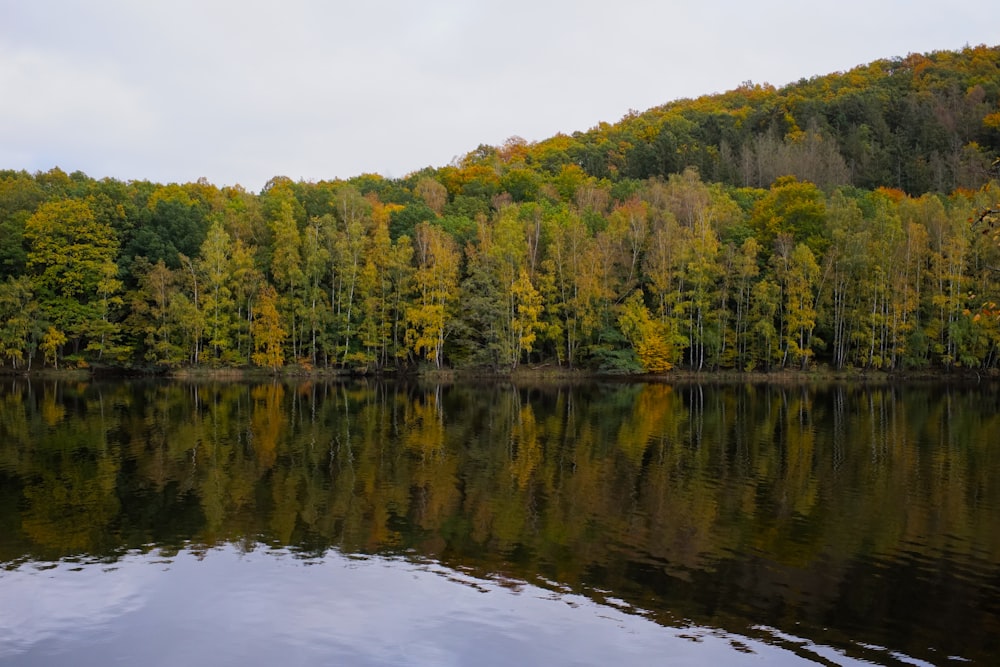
{"x": 849, "y": 219}
{"x": 921, "y": 123}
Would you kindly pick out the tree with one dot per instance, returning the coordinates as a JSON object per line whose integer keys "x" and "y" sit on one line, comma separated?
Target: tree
{"x": 153, "y": 317}
{"x": 381, "y": 285}
{"x": 348, "y": 242}
{"x": 214, "y": 264}
{"x": 315, "y": 268}
{"x": 572, "y": 283}
{"x": 793, "y": 207}
{"x": 527, "y": 309}
{"x": 799, "y": 274}
{"x": 286, "y": 266}
{"x": 19, "y": 323}
{"x": 948, "y": 238}
{"x": 436, "y": 290}
{"x": 500, "y": 265}
{"x": 433, "y": 193}
{"x": 646, "y": 335}
{"x": 71, "y": 258}
{"x": 20, "y": 196}
{"x": 171, "y": 224}
{"x": 268, "y": 334}
{"x": 246, "y": 280}
{"x": 52, "y": 341}
{"x": 701, "y": 275}
{"x": 664, "y": 267}
{"x": 746, "y": 272}
{"x": 764, "y": 335}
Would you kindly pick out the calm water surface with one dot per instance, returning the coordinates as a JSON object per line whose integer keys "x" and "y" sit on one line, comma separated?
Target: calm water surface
{"x": 495, "y": 524}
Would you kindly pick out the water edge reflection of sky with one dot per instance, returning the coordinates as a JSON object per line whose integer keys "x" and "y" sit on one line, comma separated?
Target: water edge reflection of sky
{"x": 228, "y": 606}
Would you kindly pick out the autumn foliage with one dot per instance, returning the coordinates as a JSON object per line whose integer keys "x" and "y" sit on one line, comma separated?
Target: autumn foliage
{"x": 847, "y": 220}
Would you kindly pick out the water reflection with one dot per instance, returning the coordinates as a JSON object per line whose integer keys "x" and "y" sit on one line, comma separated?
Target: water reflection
{"x": 846, "y": 519}
{"x": 220, "y": 605}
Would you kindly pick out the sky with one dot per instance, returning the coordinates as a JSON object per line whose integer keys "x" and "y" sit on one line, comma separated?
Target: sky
{"x": 238, "y": 92}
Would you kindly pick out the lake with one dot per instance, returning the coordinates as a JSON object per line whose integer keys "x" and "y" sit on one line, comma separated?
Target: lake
{"x": 593, "y": 523}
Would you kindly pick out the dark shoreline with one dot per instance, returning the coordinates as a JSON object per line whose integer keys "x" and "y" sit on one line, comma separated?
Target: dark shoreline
{"x": 524, "y": 374}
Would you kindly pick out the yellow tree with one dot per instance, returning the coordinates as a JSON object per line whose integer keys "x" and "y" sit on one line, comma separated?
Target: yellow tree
{"x": 845, "y": 264}
{"x": 800, "y": 304}
{"x": 268, "y": 334}
{"x": 52, "y": 342}
{"x": 382, "y": 283}
{"x": 527, "y": 310}
{"x": 792, "y": 207}
{"x": 664, "y": 267}
{"x": 948, "y": 241}
{"x": 646, "y": 335}
{"x": 437, "y": 291}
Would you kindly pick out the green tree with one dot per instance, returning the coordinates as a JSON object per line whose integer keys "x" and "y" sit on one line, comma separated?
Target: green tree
{"x": 71, "y": 258}
{"x": 316, "y": 261}
{"x": 509, "y": 304}
{"x": 20, "y": 328}
{"x": 348, "y": 242}
{"x": 172, "y": 223}
{"x": 792, "y": 207}
{"x": 572, "y": 285}
{"x": 20, "y": 196}
{"x": 153, "y": 314}
{"x": 701, "y": 275}
{"x": 286, "y": 267}
{"x": 246, "y": 280}
{"x": 215, "y": 266}
{"x": 746, "y": 271}
{"x": 664, "y": 268}
{"x": 845, "y": 265}
{"x": 765, "y": 345}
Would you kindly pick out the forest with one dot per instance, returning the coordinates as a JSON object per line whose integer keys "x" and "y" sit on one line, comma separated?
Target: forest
{"x": 846, "y": 221}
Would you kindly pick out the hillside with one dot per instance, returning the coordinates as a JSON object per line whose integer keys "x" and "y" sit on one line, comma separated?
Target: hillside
{"x": 842, "y": 220}
{"x": 924, "y": 123}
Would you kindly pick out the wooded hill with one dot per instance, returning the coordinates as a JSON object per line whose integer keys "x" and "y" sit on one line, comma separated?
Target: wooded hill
{"x": 847, "y": 219}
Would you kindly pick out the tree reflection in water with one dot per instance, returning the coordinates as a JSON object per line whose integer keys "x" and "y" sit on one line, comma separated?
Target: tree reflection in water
{"x": 848, "y": 515}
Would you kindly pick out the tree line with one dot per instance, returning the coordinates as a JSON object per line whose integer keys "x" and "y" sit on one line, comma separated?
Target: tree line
{"x": 557, "y": 252}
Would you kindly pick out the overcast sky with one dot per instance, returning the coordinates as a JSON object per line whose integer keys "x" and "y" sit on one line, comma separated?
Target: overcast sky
{"x": 240, "y": 91}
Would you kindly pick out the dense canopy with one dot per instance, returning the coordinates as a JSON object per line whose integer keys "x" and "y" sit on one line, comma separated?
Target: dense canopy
{"x": 848, "y": 220}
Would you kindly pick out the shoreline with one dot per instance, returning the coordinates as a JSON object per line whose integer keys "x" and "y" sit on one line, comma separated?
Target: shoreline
{"x": 529, "y": 374}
